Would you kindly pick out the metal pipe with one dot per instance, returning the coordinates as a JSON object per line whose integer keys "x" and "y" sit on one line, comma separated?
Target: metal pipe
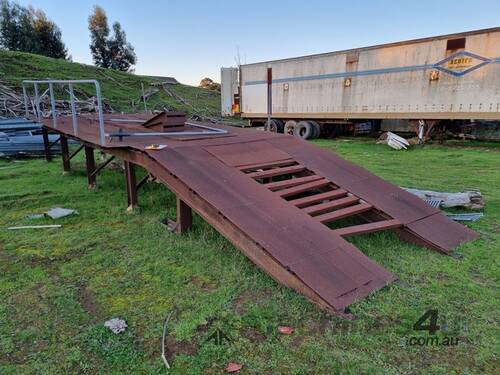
{"x": 102, "y": 136}
{"x": 53, "y": 104}
{"x": 25, "y": 95}
{"x": 166, "y": 134}
{"x": 204, "y": 127}
{"x": 126, "y": 120}
{"x": 37, "y": 101}
{"x": 212, "y": 131}
{"x": 73, "y": 109}
{"x": 144, "y": 97}
{"x": 61, "y": 81}
{"x": 269, "y": 97}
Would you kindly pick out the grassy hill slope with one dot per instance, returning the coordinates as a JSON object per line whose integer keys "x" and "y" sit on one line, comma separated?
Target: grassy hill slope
{"x": 121, "y": 90}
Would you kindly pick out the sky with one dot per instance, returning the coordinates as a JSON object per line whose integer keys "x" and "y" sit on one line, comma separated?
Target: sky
{"x": 192, "y": 39}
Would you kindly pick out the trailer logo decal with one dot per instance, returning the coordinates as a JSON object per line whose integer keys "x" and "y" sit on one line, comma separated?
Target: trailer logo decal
{"x": 461, "y": 63}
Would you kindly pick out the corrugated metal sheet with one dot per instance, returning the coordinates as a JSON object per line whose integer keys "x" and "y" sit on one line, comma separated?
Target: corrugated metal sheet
{"x": 20, "y": 136}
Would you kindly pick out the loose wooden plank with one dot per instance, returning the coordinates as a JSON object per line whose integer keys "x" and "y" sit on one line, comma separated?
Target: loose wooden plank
{"x": 332, "y": 205}
{"x": 300, "y": 202}
{"x": 277, "y": 171}
{"x": 303, "y": 188}
{"x": 343, "y": 212}
{"x": 291, "y": 182}
{"x": 368, "y": 228}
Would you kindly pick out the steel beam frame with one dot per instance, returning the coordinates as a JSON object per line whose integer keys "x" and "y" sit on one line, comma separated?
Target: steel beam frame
{"x": 65, "y": 154}
{"x": 80, "y": 148}
{"x": 90, "y": 163}
{"x": 131, "y": 184}
{"x": 46, "y": 144}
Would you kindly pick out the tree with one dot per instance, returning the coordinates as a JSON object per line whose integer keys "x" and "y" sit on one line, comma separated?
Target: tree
{"x": 48, "y": 40}
{"x": 29, "y": 30}
{"x": 109, "y": 52}
{"x": 99, "y": 32}
{"x": 122, "y": 53}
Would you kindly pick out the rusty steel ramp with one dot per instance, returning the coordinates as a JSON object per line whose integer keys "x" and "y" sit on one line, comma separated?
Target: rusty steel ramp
{"x": 278, "y": 199}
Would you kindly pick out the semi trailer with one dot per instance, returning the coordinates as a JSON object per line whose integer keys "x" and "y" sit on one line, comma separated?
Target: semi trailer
{"x": 443, "y": 80}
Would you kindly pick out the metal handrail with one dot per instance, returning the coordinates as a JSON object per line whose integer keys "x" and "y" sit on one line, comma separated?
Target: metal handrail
{"x": 70, "y": 83}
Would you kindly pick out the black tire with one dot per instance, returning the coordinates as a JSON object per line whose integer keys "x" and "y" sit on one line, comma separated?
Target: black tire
{"x": 290, "y": 126}
{"x": 276, "y": 126}
{"x": 317, "y": 129}
{"x": 304, "y": 130}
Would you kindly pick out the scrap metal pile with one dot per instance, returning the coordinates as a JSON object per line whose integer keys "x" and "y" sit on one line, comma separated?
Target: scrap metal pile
{"x": 20, "y": 136}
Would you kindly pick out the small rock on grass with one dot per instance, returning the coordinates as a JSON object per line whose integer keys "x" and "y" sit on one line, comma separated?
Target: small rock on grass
{"x": 285, "y": 330}
{"x": 233, "y": 367}
{"x": 116, "y": 325}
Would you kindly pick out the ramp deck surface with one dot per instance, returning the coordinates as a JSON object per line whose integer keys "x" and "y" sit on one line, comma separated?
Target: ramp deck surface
{"x": 276, "y": 198}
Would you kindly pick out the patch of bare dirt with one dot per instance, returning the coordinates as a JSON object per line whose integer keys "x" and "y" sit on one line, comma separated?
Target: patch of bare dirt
{"x": 202, "y": 284}
{"x": 320, "y": 326}
{"x": 87, "y": 299}
{"x": 296, "y": 341}
{"x": 240, "y": 303}
{"x": 152, "y": 348}
{"x": 253, "y": 335}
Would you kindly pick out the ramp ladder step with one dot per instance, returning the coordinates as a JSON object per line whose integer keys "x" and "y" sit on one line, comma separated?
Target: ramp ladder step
{"x": 292, "y": 182}
{"x": 344, "y": 212}
{"x": 332, "y": 205}
{"x": 319, "y": 183}
{"x": 299, "y": 202}
{"x": 368, "y": 228}
{"x": 272, "y": 164}
{"x": 277, "y": 171}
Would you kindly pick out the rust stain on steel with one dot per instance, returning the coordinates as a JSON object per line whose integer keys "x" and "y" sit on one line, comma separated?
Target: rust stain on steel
{"x": 273, "y": 195}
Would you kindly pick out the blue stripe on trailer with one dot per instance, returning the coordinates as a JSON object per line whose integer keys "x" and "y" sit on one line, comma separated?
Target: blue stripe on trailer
{"x": 400, "y": 69}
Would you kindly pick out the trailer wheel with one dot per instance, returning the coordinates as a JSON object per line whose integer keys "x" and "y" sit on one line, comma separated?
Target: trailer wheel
{"x": 304, "y": 130}
{"x": 290, "y": 126}
{"x": 276, "y": 126}
{"x": 317, "y": 129}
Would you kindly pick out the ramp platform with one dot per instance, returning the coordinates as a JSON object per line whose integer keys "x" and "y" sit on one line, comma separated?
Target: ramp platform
{"x": 277, "y": 198}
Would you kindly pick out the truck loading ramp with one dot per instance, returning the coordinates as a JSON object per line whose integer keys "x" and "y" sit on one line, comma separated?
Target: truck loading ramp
{"x": 275, "y": 198}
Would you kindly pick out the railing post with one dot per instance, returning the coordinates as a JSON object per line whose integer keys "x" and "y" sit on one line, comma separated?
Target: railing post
{"x": 25, "y": 95}
{"x": 99, "y": 112}
{"x": 53, "y": 105}
{"x": 37, "y": 102}
{"x": 73, "y": 110}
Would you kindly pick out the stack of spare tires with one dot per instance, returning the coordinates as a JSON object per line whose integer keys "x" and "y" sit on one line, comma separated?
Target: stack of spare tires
{"x": 305, "y": 129}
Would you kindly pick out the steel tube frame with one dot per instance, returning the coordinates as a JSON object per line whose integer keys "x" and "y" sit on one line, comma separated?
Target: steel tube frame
{"x": 51, "y": 83}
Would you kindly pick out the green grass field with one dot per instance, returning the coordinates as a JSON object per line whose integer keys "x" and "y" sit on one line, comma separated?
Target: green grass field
{"x": 58, "y": 286}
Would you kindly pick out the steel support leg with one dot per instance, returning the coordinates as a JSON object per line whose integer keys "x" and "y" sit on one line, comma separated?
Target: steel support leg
{"x": 184, "y": 219}
{"x": 131, "y": 184}
{"x": 65, "y": 154}
{"x": 90, "y": 161}
{"x": 46, "y": 144}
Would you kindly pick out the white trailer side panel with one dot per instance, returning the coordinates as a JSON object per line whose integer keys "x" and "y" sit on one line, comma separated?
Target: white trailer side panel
{"x": 422, "y": 79}
{"x": 229, "y": 87}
